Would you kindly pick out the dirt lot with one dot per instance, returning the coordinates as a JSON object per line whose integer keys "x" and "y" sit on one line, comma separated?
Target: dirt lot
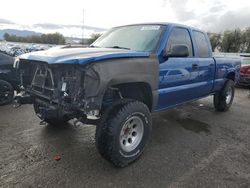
{"x": 191, "y": 146}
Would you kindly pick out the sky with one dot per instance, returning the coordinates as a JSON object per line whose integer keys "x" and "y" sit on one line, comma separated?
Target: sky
{"x": 66, "y": 17}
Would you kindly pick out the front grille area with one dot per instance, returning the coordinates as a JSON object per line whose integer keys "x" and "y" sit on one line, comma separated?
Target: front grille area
{"x": 43, "y": 80}
{"x": 63, "y": 83}
{"x": 55, "y": 89}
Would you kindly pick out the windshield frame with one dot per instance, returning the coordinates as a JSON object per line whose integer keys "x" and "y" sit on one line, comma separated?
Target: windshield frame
{"x": 154, "y": 50}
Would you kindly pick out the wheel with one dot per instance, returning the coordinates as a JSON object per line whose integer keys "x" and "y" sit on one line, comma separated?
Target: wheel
{"x": 123, "y": 132}
{"x": 224, "y": 99}
{"x": 6, "y": 92}
{"x": 50, "y": 121}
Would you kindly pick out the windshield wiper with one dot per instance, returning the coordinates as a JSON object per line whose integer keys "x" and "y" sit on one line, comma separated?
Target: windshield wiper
{"x": 118, "y": 47}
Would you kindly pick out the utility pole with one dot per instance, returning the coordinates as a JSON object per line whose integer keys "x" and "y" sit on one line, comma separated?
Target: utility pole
{"x": 83, "y": 26}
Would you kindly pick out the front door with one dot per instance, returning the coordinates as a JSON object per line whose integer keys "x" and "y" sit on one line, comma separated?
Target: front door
{"x": 178, "y": 77}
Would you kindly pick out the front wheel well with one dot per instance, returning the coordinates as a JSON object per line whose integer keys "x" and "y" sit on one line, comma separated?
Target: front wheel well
{"x": 139, "y": 91}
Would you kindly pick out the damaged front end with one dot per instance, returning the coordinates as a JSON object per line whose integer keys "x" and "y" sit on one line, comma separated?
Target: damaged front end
{"x": 58, "y": 91}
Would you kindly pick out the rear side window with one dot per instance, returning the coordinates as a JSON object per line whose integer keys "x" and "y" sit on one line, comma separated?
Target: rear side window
{"x": 180, "y": 36}
{"x": 202, "y": 45}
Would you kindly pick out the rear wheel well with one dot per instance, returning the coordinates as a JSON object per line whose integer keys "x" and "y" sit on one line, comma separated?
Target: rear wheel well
{"x": 139, "y": 91}
{"x": 231, "y": 76}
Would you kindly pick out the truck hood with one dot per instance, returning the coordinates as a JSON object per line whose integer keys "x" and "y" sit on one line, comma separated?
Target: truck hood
{"x": 80, "y": 55}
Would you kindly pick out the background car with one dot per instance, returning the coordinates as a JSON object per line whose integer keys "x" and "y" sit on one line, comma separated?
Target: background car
{"x": 8, "y": 78}
{"x": 245, "y": 71}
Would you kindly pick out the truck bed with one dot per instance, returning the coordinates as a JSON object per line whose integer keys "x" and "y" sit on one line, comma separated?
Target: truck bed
{"x": 225, "y": 66}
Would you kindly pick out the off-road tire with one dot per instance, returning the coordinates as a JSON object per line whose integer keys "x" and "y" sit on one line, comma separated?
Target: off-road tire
{"x": 221, "y": 103}
{"x": 6, "y": 92}
{"x": 109, "y": 129}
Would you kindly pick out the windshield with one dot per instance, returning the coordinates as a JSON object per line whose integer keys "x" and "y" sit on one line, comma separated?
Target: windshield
{"x": 142, "y": 38}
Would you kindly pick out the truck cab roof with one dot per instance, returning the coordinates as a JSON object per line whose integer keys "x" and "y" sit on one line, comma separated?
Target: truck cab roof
{"x": 170, "y": 24}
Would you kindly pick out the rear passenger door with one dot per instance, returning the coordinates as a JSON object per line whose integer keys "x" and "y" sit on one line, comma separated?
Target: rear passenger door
{"x": 179, "y": 76}
{"x": 206, "y": 62}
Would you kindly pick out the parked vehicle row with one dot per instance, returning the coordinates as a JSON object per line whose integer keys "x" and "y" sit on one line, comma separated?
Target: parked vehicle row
{"x": 15, "y": 49}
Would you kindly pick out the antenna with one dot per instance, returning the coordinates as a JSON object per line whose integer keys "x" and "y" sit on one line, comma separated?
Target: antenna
{"x": 83, "y": 26}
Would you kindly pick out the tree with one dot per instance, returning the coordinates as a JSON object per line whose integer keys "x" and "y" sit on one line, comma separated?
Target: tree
{"x": 6, "y": 36}
{"x": 231, "y": 41}
{"x": 215, "y": 39}
{"x": 93, "y": 37}
{"x": 246, "y": 40}
{"x": 54, "y": 38}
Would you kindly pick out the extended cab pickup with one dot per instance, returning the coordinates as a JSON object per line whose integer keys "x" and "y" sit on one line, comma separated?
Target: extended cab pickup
{"x": 127, "y": 73}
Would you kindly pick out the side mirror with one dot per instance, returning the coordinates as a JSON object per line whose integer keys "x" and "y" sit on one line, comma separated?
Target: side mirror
{"x": 179, "y": 50}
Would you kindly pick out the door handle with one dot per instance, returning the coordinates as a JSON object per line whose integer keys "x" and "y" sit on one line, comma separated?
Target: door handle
{"x": 195, "y": 66}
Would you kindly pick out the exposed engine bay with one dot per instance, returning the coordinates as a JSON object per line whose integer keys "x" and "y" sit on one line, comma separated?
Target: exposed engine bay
{"x": 58, "y": 91}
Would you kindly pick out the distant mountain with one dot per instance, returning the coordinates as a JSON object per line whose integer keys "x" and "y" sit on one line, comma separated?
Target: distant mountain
{"x": 21, "y": 33}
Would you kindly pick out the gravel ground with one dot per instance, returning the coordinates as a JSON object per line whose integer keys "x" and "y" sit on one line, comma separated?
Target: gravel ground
{"x": 191, "y": 146}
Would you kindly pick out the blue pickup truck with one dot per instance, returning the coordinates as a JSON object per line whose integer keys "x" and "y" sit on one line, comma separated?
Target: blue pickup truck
{"x": 126, "y": 74}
